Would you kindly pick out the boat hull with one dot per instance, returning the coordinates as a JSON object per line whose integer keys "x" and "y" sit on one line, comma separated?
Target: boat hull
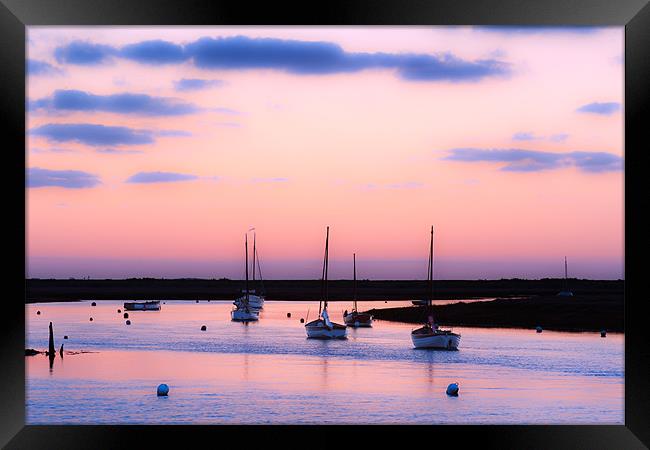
{"x": 318, "y": 330}
{"x": 358, "y": 320}
{"x": 147, "y": 306}
{"x": 443, "y": 341}
{"x": 241, "y": 315}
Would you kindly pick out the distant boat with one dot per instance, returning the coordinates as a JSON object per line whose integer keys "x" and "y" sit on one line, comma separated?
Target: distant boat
{"x": 243, "y": 312}
{"x": 566, "y": 292}
{"x": 356, "y": 318}
{"x": 420, "y": 302}
{"x": 254, "y": 301}
{"x": 142, "y": 306}
{"x": 323, "y": 328}
{"x": 429, "y": 335}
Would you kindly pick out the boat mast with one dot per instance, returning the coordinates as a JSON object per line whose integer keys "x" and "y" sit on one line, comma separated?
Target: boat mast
{"x": 430, "y": 271}
{"x": 327, "y": 240}
{"x": 354, "y": 292}
{"x": 566, "y": 278}
{"x": 246, "y": 246}
{"x": 254, "y": 236}
{"x": 322, "y": 278}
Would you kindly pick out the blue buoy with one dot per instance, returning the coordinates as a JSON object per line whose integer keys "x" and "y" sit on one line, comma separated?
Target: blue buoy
{"x": 163, "y": 390}
{"x": 452, "y": 389}
{"x": 539, "y": 329}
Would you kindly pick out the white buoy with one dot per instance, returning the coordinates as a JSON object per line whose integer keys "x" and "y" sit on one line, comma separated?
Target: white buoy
{"x": 163, "y": 390}
{"x": 452, "y": 389}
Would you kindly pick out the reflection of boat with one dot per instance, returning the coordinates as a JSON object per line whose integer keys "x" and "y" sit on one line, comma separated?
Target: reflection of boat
{"x": 153, "y": 305}
{"x": 323, "y": 328}
{"x": 254, "y": 301}
{"x": 429, "y": 335}
{"x": 566, "y": 292}
{"x": 356, "y": 318}
{"x": 242, "y": 311}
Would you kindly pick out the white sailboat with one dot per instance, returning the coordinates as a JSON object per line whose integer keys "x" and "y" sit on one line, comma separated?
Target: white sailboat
{"x": 254, "y": 301}
{"x": 323, "y": 327}
{"x": 429, "y": 335}
{"x": 566, "y": 292}
{"x": 355, "y": 318}
{"x": 243, "y": 312}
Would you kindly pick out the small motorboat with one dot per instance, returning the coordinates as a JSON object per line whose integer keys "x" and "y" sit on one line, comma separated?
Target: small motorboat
{"x": 153, "y": 305}
{"x": 429, "y": 335}
{"x": 243, "y": 312}
{"x": 323, "y": 328}
{"x": 355, "y": 318}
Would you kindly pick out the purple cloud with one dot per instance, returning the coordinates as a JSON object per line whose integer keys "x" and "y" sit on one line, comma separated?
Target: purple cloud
{"x": 70, "y": 179}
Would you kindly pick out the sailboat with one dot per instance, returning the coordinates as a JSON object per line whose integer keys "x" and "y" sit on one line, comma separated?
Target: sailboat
{"x": 429, "y": 335}
{"x": 243, "y": 312}
{"x": 356, "y": 318}
{"x": 323, "y": 328}
{"x": 254, "y": 301}
{"x": 566, "y": 292}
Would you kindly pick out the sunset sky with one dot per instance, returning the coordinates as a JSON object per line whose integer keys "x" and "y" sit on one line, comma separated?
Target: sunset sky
{"x": 151, "y": 151}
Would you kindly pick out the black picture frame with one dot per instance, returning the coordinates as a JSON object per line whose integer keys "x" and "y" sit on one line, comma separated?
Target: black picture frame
{"x": 15, "y": 15}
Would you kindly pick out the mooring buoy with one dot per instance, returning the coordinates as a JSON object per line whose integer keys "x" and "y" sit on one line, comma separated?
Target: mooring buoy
{"x": 538, "y": 329}
{"x": 302, "y": 320}
{"x": 162, "y": 390}
{"x": 128, "y": 322}
{"x": 203, "y": 328}
{"x": 452, "y": 390}
{"x": 603, "y": 333}
{"x": 288, "y": 314}
{"x": 38, "y": 313}
{"x": 65, "y": 337}
{"x": 91, "y": 319}
{"x": 197, "y": 301}
{"x": 126, "y": 315}
{"x": 119, "y": 311}
{"x": 93, "y": 304}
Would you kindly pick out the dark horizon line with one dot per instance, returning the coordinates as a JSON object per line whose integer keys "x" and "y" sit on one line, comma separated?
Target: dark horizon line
{"x": 318, "y": 279}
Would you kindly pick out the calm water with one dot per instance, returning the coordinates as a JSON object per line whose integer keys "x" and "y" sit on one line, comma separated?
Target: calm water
{"x": 268, "y": 372}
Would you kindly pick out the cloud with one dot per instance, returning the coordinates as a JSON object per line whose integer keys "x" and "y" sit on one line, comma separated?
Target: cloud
{"x": 71, "y": 179}
{"x": 606, "y": 108}
{"x": 518, "y": 160}
{"x": 405, "y": 185}
{"x": 83, "y": 53}
{"x": 125, "y": 103}
{"x": 36, "y": 67}
{"x": 93, "y": 135}
{"x": 226, "y": 111}
{"x": 271, "y": 180}
{"x": 154, "y": 52}
{"x": 529, "y": 136}
{"x": 196, "y": 84}
{"x": 159, "y": 177}
{"x": 293, "y": 56}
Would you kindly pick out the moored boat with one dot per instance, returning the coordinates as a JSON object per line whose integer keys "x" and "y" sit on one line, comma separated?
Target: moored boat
{"x": 254, "y": 301}
{"x": 243, "y": 312}
{"x": 429, "y": 335}
{"x": 153, "y": 305}
{"x": 322, "y": 327}
{"x": 355, "y": 318}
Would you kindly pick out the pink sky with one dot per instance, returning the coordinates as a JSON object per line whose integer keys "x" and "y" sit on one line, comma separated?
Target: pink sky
{"x": 361, "y": 151}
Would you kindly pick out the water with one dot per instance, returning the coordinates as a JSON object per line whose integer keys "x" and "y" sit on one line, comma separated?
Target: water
{"x": 268, "y": 372}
